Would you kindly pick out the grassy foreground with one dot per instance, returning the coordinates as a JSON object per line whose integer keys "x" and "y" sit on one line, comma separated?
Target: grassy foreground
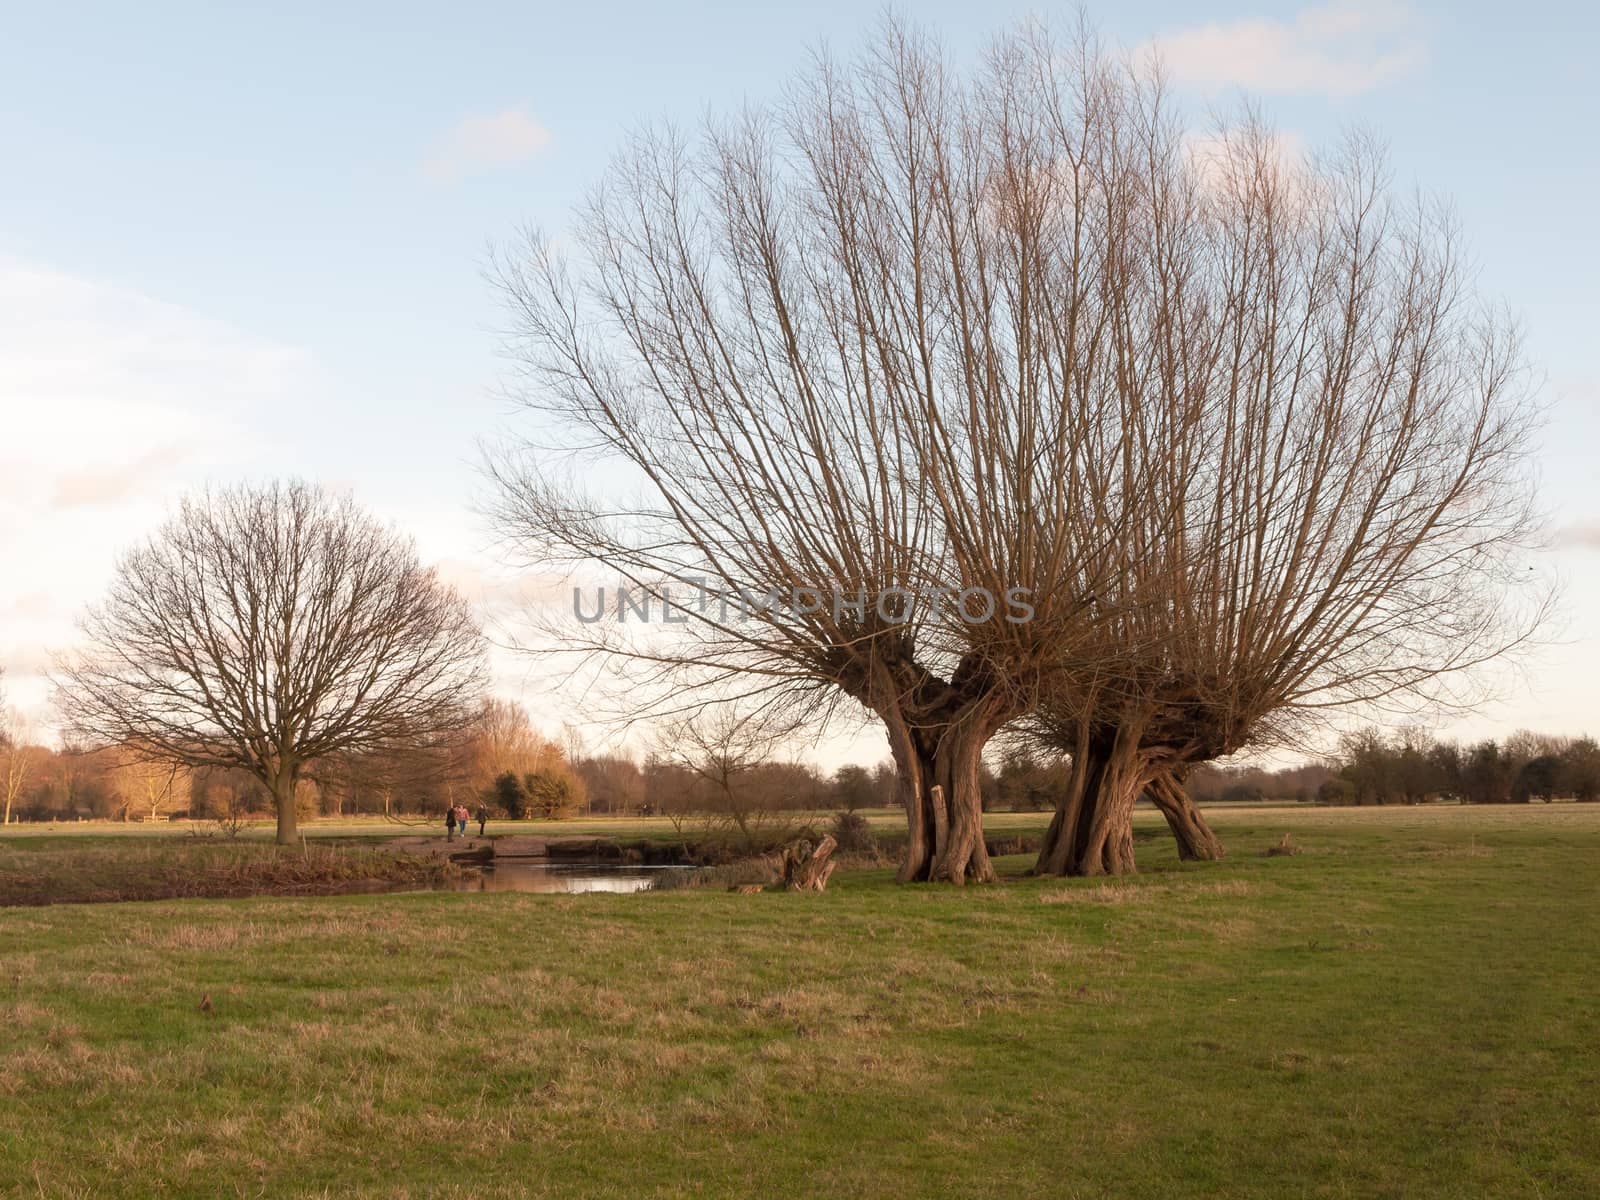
{"x": 1405, "y": 1009}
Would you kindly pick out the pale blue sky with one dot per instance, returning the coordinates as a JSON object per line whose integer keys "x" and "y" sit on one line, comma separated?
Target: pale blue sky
{"x": 236, "y": 244}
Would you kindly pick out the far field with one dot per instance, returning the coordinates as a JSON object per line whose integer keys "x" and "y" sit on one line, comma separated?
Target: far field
{"x": 1407, "y": 1008}
{"x": 889, "y": 822}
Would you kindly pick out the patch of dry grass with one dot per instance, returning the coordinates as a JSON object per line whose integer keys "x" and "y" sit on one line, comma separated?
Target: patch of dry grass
{"x": 1119, "y": 892}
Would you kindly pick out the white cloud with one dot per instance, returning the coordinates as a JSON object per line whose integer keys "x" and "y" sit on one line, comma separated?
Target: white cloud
{"x": 1338, "y": 49}
{"x": 96, "y": 378}
{"x": 115, "y": 483}
{"x": 501, "y": 139}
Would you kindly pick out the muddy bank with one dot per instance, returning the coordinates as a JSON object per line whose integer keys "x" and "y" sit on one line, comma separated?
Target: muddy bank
{"x": 516, "y": 847}
{"x": 640, "y": 852}
{"x": 178, "y": 870}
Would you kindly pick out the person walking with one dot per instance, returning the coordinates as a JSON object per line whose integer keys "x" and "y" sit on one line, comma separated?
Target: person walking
{"x": 461, "y": 818}
{"x": 450, "y": 824}
{"x": 483, "y": 818}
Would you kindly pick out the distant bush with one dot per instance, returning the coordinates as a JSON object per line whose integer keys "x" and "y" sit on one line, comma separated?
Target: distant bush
{"x": 551, "y": 793}
{"x": 511, "y": 796}
{"x": 1336, "y": 792}
{"x": 853, "y": 833}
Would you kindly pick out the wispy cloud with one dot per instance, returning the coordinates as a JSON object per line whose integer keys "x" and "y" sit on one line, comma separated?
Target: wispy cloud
{"x": 1581, "y": 537}
{"x": 478, "y": 143}
{"x": 498, "y": 592}
{"x": 1338, "y": 49}
{"x": 1211, "y": 154}
{"x": 29, "y": 606}
{"x": 116, "y": 482}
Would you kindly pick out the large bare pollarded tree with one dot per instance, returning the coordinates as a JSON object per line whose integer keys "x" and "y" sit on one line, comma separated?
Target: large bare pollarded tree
{"x": 266, "y": 628}
{"x": 1335, "y": 504}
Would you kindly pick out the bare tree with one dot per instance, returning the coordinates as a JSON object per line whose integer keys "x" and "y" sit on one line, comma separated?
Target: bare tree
{"x": 265, "y": 628}
{"x": 18, "y": 756}
{"x": 511, "y": 743}
{"x": 724, "y": 747}
{"x": 841, "y": 346}
{"x": 149, "y": 783}
{"x": 1334, "y": 505}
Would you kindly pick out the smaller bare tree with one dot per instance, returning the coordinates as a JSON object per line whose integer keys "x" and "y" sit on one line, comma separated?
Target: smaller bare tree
{"x": 724, "y": 748}
{"x": 17, "y": 758}
{"x": 149, "y": 783}
{"x": 266, "y": 628}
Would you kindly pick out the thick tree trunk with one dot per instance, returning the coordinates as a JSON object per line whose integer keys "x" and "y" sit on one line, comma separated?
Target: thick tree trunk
{"x": 914, "y": 774}
{"x": 1059, "y": 850}
{"x": 938, "y": 772}
{"x": 1196, "y": 841}
{"x": 961, "y": 854}
{"x": 1092, "y": 830}
{"x": 284, "y": 787}
{"x": 1107, "y": 846}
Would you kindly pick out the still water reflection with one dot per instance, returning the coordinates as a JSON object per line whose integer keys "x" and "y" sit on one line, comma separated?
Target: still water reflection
{"x": 563, "y": 877}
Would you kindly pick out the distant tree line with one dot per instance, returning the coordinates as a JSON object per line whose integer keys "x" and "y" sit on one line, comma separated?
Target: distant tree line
{"x": 501, "y": 760}
{"x": 1213, "y": 783}
{"x": 496, "y": 757}
{"x": 1413, "y": 768}
{"x": 505, "y": 763}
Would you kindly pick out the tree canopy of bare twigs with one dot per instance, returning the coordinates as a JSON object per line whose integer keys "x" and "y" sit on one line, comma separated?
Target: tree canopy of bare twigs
{"x": 266, "y": 628}
{"x": 1232, "y": 425}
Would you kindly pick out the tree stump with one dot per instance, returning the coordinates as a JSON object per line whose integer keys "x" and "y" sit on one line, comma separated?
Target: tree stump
{"x": 1285, "y": 845}
{"x": 806, "y": 868}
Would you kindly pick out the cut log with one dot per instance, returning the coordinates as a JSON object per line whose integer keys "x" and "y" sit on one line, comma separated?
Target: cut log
{"x": 806, "y": 868}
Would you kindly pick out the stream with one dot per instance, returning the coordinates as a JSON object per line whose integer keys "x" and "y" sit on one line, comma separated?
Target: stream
{"x": 560, "y": 877}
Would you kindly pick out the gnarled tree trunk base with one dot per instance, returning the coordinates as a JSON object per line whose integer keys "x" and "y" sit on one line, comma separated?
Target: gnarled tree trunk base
{"x": 944, "y": 810}
{"x": 1092, "y": 831}
{"x": 1196, "y": 841}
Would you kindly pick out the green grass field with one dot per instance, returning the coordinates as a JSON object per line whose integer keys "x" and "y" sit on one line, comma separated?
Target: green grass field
{"x": 1405, "y": 1009}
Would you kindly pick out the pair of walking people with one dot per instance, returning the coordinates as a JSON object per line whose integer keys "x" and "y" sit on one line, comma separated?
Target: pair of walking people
{"x": 456, "y": 817}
